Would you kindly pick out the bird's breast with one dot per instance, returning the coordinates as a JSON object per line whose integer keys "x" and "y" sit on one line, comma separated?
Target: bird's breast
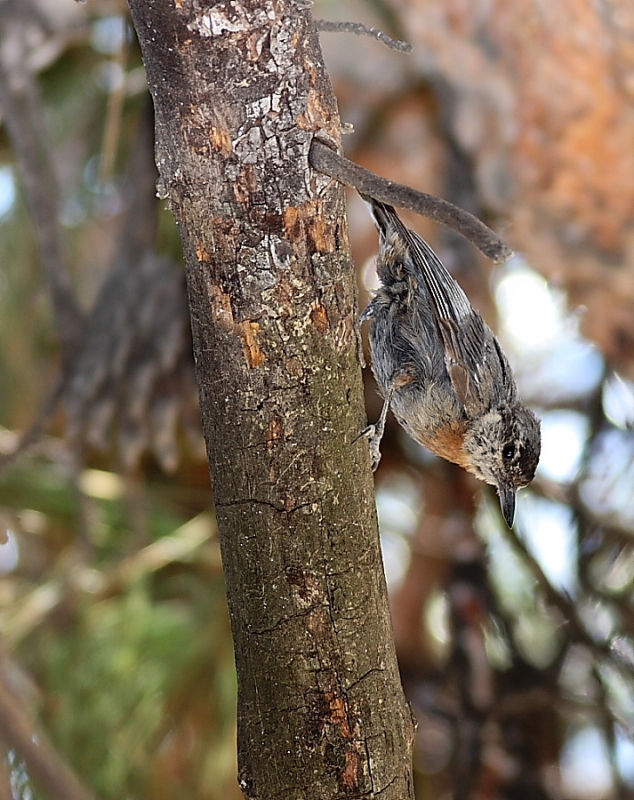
{"x": 438, "y": 426}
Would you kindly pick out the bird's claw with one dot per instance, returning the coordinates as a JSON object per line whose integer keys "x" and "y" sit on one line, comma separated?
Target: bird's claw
{"x": 374, "y": 441}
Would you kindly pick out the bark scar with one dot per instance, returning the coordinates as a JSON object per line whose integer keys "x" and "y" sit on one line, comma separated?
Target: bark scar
{"x": 222, "y": 315}
{"x": 319, "y": 317}
{"x": 248, "y": 331}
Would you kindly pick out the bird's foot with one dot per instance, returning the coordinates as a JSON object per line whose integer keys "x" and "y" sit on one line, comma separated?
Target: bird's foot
{"x": 374, "y": 436}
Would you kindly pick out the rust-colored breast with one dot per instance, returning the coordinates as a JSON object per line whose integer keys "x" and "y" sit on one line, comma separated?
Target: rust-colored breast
{"x": 447, "y": 443}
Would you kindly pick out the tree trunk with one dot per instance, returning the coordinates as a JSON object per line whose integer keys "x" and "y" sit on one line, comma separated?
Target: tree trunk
{"x": 239, "y": 90}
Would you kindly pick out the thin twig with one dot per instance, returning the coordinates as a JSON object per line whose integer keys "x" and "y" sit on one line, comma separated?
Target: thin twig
{"x": 562, "y": 603}
{"x": 43, "y": 763}
{"x": 6, "y": 792}
{"x": 33, "y": 433}
{"x": 357, "y": 28}
{"x": 136, "y": 238}
{"x": 23, "y": 122}
{"x": 114, "y": 113}
{"x": 326, "y": 160}
{"x": 180, "y": 546}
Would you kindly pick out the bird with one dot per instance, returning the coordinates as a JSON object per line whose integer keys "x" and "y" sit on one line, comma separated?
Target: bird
{"x": 441, "y": 369}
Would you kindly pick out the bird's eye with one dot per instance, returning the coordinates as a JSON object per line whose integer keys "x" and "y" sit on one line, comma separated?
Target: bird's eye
{"x": 508, "y": 452}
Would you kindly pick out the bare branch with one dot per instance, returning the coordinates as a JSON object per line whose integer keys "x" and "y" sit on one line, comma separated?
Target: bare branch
{"x": 114, "y": 115}
{"x": 324, "y": 159}
{"x": 565, "y": 606}
{"x": 23, "y": 122}
{"x": 44, "y": 765}
{"x": 33, "y": 433}
{"x": 357, "y": 28}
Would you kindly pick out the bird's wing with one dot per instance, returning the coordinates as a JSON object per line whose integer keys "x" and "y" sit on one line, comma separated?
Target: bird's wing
{"x": 473, "y": 358}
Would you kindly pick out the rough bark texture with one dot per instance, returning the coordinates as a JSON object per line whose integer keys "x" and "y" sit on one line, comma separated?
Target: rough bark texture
{"x": 239, "y": 90}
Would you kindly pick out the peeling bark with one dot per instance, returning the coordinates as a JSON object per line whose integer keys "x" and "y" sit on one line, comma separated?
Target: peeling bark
{"x": 239, "y": 91}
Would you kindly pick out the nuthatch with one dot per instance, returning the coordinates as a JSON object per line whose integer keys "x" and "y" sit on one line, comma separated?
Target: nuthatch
{"x": 441, "y": 369}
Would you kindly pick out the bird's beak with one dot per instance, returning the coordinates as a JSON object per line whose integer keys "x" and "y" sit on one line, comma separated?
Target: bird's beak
{"x": 507, "y": 503}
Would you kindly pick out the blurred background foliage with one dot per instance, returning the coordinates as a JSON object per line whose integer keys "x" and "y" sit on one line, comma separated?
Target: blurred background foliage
{"x": 516, "y": 649}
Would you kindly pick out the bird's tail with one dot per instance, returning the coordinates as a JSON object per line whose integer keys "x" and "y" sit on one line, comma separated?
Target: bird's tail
{"x": 448, "y": 299}
{"x": 385, "y": 217}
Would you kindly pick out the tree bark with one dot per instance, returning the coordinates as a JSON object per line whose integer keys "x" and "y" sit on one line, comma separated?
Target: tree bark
{"x": 239, "y": 91}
